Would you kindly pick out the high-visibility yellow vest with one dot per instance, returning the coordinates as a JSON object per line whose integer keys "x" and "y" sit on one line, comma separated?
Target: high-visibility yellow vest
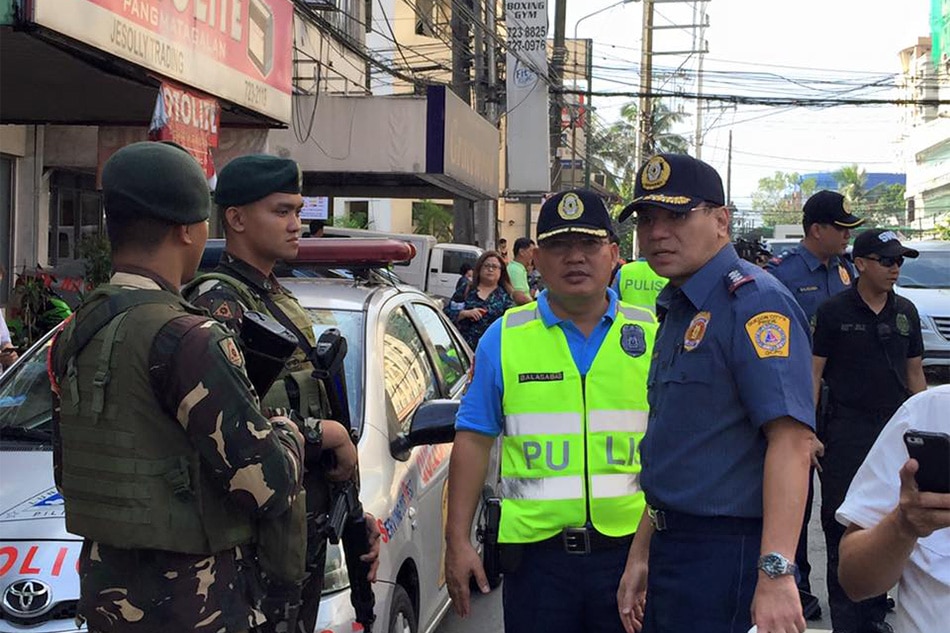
{"x": 570, "y": 449}
{"x": 639, "y": 285}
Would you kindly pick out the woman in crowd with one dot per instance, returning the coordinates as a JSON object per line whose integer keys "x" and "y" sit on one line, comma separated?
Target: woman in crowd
{"x": 476, "y": 306}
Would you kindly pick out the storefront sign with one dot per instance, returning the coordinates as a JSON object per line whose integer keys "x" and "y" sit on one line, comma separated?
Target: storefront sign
{"x": 239, "y": 50}
{"x": 315, "y": 208}
{"x": 189, "y": 119}
{"x": 527, "y": 95}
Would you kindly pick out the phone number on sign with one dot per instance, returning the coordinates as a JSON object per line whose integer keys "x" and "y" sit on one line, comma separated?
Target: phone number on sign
{"x": 527, "y": 45}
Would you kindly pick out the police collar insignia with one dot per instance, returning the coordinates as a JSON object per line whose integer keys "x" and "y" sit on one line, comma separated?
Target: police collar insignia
{"x": 570, "y": 207}
{"x": 843, "y": 273}
{"x": 633, "y": 341}
{"x": 696, "y": 331}
{"x": 655, "y": 174}
{"x": 736, "y": 278}
{"x": 769, "y": 333}
{"x": 903, "y": 325}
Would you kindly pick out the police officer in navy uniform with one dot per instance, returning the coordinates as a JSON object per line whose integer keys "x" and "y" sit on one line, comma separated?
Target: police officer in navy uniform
{"x": 868, "y": 348}
{"x": 562, "y": 382}
{"x": 728, "y": 445}
{"x": 815, "y": 271}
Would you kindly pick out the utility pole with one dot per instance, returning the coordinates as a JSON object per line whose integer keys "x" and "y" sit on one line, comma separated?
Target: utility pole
{"x": 645, "y": 146}
{"x": 699, "y": 44}
{"x": 463, "y": 221}
{"x": 729, "y": 172}
{"x": 557, "y": 78}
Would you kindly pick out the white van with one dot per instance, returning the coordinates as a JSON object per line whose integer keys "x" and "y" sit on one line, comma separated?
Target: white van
{"x": 434, "y": 269}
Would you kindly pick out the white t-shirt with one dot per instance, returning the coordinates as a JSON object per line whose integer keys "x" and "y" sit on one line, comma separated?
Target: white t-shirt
{"x": 4, "y": 332}
{"x": 923, "y": 600}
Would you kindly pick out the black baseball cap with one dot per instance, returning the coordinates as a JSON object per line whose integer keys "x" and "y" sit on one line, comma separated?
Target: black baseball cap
{"x": 677, "y": 182}
{"x": 829, "y": 207}
{"x": 575, "y": 211}
{"x": 881, "y": 242}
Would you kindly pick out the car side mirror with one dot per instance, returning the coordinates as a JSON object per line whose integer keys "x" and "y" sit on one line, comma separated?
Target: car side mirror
{"x": 432, "y": 423}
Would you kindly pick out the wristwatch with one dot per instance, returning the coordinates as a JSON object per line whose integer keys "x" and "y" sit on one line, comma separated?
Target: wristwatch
{"x": 775, "y": 565}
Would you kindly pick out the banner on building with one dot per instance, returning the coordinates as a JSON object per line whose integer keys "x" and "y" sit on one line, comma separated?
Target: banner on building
{"x": 189, "y": 119}
{"x": 315, "y": 208}
{"x": 528, "y": 141}
{"x": 238, "y": 50}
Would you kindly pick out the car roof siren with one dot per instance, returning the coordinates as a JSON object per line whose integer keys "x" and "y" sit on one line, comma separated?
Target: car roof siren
{"x": 349, "y": 252}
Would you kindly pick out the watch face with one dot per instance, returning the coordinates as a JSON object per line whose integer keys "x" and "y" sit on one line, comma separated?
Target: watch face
{"x": 774, "y": 565}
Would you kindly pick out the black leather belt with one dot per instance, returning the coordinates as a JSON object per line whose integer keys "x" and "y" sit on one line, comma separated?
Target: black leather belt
{"x": 672, "y": 521}
{"x": 583, "y": 541}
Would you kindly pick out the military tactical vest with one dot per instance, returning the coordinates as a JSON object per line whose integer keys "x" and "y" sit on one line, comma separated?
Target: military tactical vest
{"x": 295, "y": 388}
{"x": 131, "y": 477}
{"x": 571, "y": 442}
{"x": 639, "y": 285}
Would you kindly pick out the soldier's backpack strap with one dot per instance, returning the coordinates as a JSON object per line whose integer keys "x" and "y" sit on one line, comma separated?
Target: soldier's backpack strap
{"x": 248, "y": 297}
{"x": 102, "y": 376}
{"x": 102, "y": 314}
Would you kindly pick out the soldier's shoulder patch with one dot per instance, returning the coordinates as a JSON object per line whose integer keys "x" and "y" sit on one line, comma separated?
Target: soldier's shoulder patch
{"x": 223, "y": 311}
{"x": 769, "y": 333}
{"x": 231, "y": 351}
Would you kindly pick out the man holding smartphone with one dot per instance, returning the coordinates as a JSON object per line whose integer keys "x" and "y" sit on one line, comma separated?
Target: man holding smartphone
{"x": 868, "y": 348}
{"x": 898, "y": 533}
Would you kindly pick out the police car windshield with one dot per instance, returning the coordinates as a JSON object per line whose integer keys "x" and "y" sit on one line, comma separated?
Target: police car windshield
{"x": 25, "y": 401}
{"x": 930, "y": 270}
{"x": 350, "y": 324}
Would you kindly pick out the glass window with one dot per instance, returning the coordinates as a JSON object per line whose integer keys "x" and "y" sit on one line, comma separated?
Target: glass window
{"x": 76, "y": 212}
{"x": 450, "y": 359}
{"x": 25, "y": 400}
{"x": 350, "y": 324}
{"x": 452, "y": 260}
{"x": 409, "y": 378}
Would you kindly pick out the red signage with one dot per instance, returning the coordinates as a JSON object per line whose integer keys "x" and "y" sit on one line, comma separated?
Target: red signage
{"x": 189, "y": 119}
{"x": 239, "y": 50}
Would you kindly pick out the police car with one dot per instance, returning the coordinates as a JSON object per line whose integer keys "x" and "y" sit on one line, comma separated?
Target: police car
{"x": 406, "y": 369}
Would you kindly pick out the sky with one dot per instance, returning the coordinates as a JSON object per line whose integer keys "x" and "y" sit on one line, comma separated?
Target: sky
{"x": 806, "y": 48}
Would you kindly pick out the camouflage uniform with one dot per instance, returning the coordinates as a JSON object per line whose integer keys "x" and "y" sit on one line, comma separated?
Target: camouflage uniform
{"x": 254, "y": 464}
{"x": 228, "y": 306}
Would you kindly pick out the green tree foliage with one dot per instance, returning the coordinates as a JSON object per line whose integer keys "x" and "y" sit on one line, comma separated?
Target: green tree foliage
{"x": 430, "y": 218}
{"x": 613, "y": 146}
{"x": 779, "y": 198}
{"x": 882, "y": 205}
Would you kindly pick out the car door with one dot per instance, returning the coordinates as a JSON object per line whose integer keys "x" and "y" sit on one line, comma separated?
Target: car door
{"x": 445, "y": 266}
{"x": 451, "y": 360}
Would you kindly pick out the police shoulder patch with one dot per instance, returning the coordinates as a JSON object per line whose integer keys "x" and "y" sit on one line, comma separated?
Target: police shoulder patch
{"x": 735, "y": 278}
{"x": 769, "y": 333}
{"x": 232, "y": 352}
{"x": 633, "y": 340}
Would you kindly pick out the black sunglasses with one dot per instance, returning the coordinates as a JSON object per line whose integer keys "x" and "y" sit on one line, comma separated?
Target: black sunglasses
{"x": 887, "y": 262}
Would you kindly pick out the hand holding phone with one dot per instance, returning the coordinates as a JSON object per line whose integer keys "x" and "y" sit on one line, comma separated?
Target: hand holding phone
{"x": 932, "y": 452}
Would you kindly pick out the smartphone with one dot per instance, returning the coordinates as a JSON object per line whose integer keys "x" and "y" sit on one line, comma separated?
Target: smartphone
{"x": 932, "y": 452}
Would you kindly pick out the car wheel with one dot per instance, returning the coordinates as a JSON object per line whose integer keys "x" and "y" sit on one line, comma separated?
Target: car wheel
{"x": 402, "y": 615}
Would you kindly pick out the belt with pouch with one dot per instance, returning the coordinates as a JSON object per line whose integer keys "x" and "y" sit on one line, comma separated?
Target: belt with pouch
{"x": 583, "y": 540}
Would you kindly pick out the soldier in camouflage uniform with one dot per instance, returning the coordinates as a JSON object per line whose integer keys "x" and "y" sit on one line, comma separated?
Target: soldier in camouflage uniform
{"x": 258, "y": 202}
{"x": 160, "y": 451}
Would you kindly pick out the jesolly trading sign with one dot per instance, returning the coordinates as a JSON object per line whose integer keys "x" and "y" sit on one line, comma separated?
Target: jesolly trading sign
{"x": 239, "y": 50}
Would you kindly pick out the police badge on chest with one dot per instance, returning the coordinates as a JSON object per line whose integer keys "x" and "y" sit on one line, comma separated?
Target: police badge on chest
{"x": 633, "y": 340}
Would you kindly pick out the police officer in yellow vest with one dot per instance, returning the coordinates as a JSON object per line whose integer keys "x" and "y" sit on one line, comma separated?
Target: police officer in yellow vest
{"x": 638, "y": 285}
{"x": 259, "y": 202}
{"x": 563, "y": 381}
{"x": 161, "y": 453}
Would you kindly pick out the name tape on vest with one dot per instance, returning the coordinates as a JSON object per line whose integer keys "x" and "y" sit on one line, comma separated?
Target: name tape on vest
{"x": 541, "y": 377}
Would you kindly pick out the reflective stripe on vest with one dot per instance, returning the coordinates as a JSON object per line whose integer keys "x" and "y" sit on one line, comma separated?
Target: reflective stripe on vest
{"x": 571, "y": 442}
{"x": 639, "y": 285}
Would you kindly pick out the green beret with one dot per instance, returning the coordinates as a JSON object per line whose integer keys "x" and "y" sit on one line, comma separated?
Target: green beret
{"x": 247, "y": 179}
{"x": 158, "y": 180}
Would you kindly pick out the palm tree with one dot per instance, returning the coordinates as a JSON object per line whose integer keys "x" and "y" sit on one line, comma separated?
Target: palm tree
{"x": 853, "y": 184}
{"x": 613, "y": 148}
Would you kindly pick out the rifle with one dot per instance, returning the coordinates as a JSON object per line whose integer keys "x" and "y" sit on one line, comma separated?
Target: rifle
{"x": 346, "y": 521}
{"x": 267, "y": 347}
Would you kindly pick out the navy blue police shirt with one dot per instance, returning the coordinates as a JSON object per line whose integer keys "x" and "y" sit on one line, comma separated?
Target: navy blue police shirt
{"x": 811, "y": 282}
{"x": 733, "y": 352}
